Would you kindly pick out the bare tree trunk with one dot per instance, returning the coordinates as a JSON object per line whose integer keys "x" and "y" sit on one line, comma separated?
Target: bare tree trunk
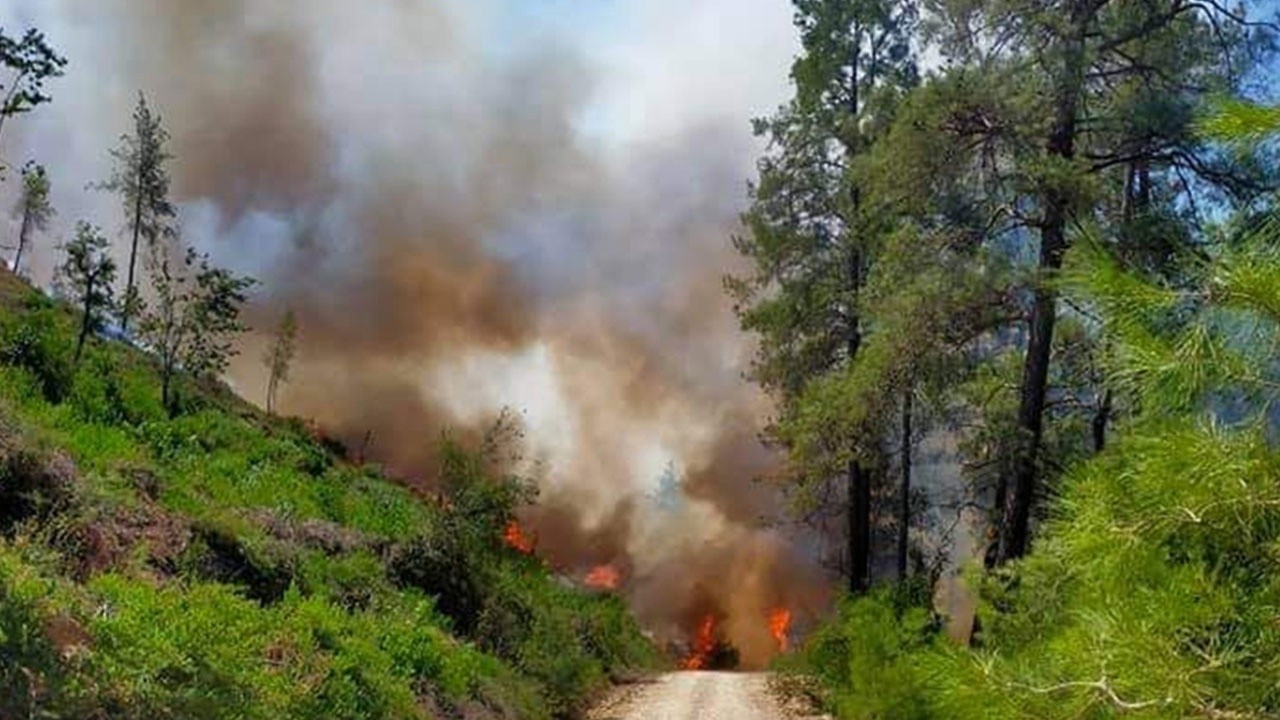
{"x": 904, "y": 510}
{"x": 859, "y": 500}
{"x": 859, "y": 479}
{"x": 271, "y": 393}
{"x": 1035, "y": 374}
{"x": 1020, "y": 494}
{"x": 22, "y": 240}
{"x": 133, "y": 258}
{"x": 165, "y": 392}
{"x": 85, "y": 322}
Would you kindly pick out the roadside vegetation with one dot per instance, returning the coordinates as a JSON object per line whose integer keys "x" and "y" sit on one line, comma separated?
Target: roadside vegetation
{"x": 209, "y": 560}
{"x": 1056, "y": 255}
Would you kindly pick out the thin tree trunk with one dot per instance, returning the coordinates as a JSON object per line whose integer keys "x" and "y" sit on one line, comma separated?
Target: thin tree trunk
{"x": 166, "y": 389}
{"x": 22, "y": 240}
{"x": 904, "y": 512}
{"x": 84, "y": 323}
{"x": 1137, "y": 198}
{"x": 1020, "y": 495}
{"x": 129, "y": 301}
{"x": 271, "y": 393}
{"x": 859, "y": 500}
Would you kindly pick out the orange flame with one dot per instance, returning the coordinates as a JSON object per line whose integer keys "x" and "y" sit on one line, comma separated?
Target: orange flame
{"x": 779, "y": 623}
{"x": 515, "y": 538}
{"x": 703, "y": 646}
{"x": 603, "y": 577}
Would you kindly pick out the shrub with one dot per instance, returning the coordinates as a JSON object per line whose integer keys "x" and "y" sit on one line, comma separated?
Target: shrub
{"x": 33, "y": 484}
{"x": 867, "y": 657}
{"x": 32, "y": 673}
{"x": 440, "y": 566}
{"x": 40, "y": 342}
{"x": 228, "y": 552}
{"x": 108, "y": 392}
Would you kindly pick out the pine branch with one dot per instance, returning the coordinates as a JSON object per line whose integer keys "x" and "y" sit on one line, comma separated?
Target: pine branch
{"x": 1101, "y": 685}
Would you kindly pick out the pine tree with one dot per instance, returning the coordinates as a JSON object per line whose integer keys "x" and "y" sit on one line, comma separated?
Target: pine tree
{"x": 1151, "y": 590}
{"x": 1085, "y": 91}
{"x": 142, "y": 181}
{"x": 32, "y": 61}
{"x": 33, "y": 207}
{"x": 86, "y": 276}
{"x": 806, "y": 236}
{"x": 279, "y": 357}
{"x": 1152, "y": 585}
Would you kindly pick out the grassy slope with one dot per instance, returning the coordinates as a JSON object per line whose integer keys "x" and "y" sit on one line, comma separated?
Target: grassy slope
{"x": 227, "y": 564}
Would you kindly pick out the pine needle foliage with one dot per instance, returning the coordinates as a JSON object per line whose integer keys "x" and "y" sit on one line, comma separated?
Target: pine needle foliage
{"x": 1154, "y": 586}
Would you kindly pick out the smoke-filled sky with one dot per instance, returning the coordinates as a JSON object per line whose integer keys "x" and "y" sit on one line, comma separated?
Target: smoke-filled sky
{"x": 474, "y": 204}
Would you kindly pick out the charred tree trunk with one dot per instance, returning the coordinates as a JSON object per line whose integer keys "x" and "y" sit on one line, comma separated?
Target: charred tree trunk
{"x": 859, "y": 529}
{"x": 1020, "y": 494}
{"x": 904, "y": 508}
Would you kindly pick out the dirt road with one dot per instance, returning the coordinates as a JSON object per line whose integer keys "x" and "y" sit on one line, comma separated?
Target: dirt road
{"x": 696, "y": 696}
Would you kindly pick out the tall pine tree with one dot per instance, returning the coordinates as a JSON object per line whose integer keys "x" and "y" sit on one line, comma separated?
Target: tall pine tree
{"x": 808, "y": 241}
{"x": 142, "y": 181}
{"x": 1085, "y": 92}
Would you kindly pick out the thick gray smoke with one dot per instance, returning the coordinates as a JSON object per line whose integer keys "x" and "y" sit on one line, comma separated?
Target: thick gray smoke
{"x": 470, "y": 205}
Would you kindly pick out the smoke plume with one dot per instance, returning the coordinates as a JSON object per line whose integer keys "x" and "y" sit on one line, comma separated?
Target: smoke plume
{"x": 471, "y": 206}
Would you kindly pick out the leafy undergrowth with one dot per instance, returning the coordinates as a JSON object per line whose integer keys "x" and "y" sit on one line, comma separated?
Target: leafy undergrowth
{"x": 1153, "y": 593}
{"x": 1153, "y": 588}
{"x": 224, "y": 564}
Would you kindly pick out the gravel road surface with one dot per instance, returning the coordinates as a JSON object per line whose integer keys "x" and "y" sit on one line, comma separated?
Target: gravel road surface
{"x": 696, "y": 696}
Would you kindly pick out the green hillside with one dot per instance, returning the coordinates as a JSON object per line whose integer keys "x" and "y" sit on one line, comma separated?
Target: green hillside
{"x": 227, "y": 564}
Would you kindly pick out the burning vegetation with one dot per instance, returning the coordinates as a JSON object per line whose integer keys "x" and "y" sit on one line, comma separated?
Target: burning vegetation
{"x": 704, "y": 646}
{"x": 515, "y": 538}
{"x": 779, "y": 626}
{"x": 603, "y": 577}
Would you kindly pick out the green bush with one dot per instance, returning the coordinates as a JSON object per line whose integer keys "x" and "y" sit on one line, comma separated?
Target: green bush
{"x": 230, "y": 551}
{"x": 31, "y": 668}
{"x": 440, "y": 566}
{"x": 868, "y": 656}
{"x": 570, "y": 642}
{"x": 108, "y": 392}
{"x": 40, "y": 341}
